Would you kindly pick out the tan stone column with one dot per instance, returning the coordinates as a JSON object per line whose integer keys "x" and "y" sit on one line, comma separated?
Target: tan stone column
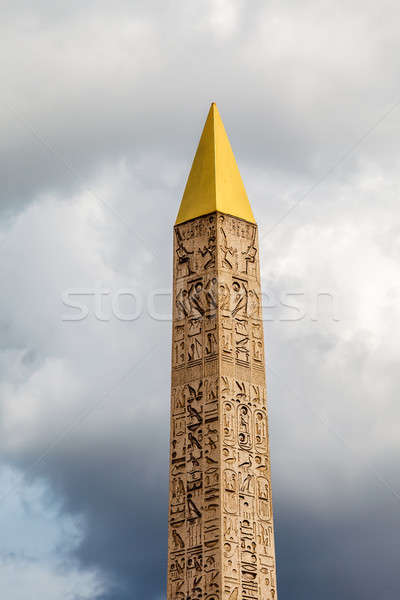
{"x": 221, "y": 539}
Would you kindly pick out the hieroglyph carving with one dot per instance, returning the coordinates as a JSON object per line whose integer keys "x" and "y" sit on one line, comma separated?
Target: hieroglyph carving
{"x": 221, "y": 536}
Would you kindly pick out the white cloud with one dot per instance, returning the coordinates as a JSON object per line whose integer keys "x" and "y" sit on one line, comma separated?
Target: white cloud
{"x": 19, "y": 578}
{"x": 36, "y": 542}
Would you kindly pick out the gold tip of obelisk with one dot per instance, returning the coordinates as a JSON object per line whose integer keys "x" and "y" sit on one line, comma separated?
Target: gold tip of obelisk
{"x": 214, "y": 182}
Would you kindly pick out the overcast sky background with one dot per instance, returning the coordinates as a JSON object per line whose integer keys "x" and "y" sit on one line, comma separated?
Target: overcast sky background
{"x": 101, "y": 108}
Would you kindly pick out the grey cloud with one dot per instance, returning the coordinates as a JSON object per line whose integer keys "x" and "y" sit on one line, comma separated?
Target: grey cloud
{"x": 77, "y": 98}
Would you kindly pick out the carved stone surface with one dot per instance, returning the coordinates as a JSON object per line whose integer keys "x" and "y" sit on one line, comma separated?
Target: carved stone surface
{"x": 221, "y": 534}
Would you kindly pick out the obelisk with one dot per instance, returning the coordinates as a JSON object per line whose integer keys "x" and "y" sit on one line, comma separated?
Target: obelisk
{"x": 221, "y": 532}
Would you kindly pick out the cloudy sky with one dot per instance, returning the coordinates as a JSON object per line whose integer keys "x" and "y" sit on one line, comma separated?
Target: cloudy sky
{"x": 101, "y": 108}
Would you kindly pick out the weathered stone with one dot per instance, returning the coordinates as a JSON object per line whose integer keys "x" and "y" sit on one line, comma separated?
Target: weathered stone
{"x": 221, "y": 535}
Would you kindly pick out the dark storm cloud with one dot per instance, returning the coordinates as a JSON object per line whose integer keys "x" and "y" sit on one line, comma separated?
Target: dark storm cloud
{"x": 122, "y": 491}
{"x": 116, "y": 482}
{"x": 336, "y": 555}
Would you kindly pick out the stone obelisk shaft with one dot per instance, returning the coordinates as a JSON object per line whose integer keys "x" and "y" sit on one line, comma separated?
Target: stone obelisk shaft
{"x": 221, "y": 536}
